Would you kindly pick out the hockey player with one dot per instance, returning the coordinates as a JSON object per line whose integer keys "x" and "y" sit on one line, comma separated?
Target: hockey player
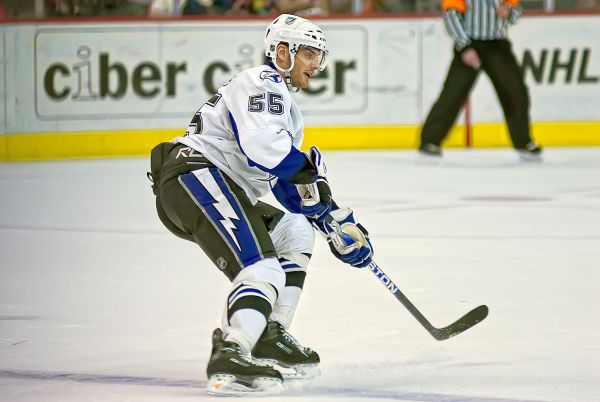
{"x": 242, "y": 143}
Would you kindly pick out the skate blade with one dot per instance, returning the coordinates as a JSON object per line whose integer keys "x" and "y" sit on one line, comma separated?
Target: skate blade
{"x": 523, "y": 157}
{"x": 299, "y": 371}
{"x": 428, "y": 160}
{"x": 227, "y": 385}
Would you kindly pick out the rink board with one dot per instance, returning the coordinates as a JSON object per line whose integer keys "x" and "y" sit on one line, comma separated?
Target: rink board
{"x": 25, "y": 147}
{"x": 115, "y": 88}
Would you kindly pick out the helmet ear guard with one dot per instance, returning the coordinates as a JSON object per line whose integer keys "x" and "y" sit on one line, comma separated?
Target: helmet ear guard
{"x": 296, "y": 32}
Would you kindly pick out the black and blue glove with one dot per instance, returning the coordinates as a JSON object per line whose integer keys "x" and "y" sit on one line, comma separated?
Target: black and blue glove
{"x": 307, "y": 192}
{"x": 348, "y": 240}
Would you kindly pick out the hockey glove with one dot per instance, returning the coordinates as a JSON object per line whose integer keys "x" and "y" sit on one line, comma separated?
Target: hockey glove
{"x": 348, "y": 240}
{"x": 316, "y": 196}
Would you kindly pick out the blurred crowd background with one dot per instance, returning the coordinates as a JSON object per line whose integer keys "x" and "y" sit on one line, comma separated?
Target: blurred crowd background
{"x": 31, "y": 9}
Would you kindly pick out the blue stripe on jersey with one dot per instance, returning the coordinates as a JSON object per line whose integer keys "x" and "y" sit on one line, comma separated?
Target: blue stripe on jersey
{"x": 290, "y": 165}
{"x": 287, "y": 195}
{"x": 235, "y": 230}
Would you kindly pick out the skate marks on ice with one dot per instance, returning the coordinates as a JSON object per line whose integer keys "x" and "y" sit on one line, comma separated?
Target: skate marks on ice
{"x": 295, "y": 388}
{"x": 100, "y": 378}
{"x": 18, "y": 317}
{"x": 393, "y": 205}
{"x": 81, "y": 229}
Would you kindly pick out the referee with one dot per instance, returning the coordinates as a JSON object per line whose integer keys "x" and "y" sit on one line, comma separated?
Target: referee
{"x": 478, "y": 28}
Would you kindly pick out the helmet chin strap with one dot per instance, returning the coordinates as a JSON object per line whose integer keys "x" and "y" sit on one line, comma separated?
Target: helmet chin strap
{"x": 286, "y": 71}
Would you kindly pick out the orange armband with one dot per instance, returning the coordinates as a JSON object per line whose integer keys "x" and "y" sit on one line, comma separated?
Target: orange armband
{"x": 458, "y": 5}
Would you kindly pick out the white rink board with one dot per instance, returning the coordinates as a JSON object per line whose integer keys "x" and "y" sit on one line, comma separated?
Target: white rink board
{"x": 90, "y": 71}
{"x": 2, "y": 85}
{"x": 570, "y": 93}
{"x": 180, "y": 73}
{"x": 136, "y": 75}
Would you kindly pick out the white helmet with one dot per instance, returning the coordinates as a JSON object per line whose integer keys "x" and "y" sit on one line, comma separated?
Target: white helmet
{"x": 295, "y": 31}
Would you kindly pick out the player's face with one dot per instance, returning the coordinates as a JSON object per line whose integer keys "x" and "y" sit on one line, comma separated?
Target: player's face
{"x": 306, "y": 65}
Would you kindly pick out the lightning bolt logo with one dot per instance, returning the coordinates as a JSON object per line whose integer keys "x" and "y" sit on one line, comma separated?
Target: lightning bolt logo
{"x": 221, "y": 204}
{"x": 227, "y": 213}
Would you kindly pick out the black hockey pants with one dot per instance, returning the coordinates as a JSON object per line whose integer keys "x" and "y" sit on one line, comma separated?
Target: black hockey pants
{"x": 186, "y": 206}
{"x": 499, "y": 63}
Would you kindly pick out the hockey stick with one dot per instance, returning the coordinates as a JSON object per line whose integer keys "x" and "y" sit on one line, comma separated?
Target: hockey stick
{"x": 470, "y": 319}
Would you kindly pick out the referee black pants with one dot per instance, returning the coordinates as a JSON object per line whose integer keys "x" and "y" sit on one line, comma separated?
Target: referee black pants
{"x": 499, "y": 63}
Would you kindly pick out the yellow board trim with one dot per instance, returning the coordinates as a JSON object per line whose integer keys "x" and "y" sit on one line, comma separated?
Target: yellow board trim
{"x": 101, "y": 144}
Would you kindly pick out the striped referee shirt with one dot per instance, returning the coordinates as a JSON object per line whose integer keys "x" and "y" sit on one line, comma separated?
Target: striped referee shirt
{"x": 467, "y": 20}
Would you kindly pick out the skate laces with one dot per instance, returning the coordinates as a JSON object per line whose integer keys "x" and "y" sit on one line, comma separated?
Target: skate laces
{"x": 235, "y": 348}
{"x": 254, "y": 361}
{"x": 290, "y": 338}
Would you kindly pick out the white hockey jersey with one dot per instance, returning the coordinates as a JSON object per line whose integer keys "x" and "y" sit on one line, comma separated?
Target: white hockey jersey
{"x": 251, "y": 129}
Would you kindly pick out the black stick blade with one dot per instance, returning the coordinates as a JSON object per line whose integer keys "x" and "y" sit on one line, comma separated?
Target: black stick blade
{"x": 470, "y": 319}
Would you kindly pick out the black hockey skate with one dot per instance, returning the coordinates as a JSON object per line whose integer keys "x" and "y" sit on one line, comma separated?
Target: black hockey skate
{"x": 530, "y": 153}
{"x": 231, "y": 372}
{"x": 429, "y": 154}
{"x": 277, "y": 347}
{"x": 430, "y": 150}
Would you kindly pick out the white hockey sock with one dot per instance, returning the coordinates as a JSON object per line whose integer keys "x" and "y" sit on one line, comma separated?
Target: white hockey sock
{"x": 246, "y": 326}
{"x": 285, "y": 307}
{"x": 250, "y": 302}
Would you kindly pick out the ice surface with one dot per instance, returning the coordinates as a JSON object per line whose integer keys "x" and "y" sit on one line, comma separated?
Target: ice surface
{"x": 98, "y": 302}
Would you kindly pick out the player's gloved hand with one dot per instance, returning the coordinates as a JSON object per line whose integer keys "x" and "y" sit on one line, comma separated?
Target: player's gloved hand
{"x": 348, "y": 240}
{"x": 316, "y": 200}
